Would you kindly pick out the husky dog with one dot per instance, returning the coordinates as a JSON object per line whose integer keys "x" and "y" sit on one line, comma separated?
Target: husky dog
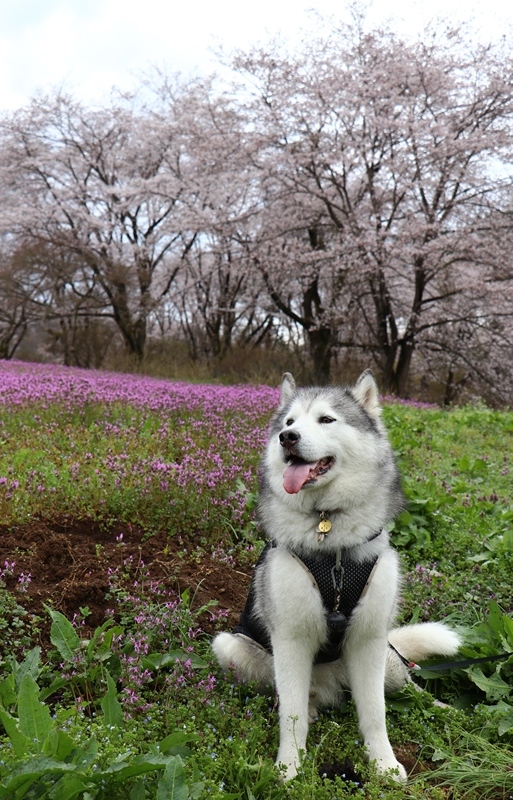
{"x": 323, "y": 597}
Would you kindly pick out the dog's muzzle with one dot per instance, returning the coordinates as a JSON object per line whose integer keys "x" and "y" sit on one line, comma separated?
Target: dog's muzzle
{"x": 289, "y": 439}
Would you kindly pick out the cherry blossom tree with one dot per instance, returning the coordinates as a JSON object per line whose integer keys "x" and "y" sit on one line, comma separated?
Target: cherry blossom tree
{"x": 66, "y": 305}
{"x": 379, "y": 159}
{"x": 356, "y": 190}
{"x": 104, "y": 185}
{"x": 217, "y": 297}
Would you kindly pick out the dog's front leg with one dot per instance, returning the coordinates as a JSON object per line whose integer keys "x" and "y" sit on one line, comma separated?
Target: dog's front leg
{"x": 292, "y": 605}
{"x": 293, "y": 674}
{"x": 366, "y": 671}
{"x": 365, "y": 653}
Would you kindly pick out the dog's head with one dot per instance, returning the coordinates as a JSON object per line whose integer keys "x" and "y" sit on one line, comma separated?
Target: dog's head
{"x": 316, "y": 431}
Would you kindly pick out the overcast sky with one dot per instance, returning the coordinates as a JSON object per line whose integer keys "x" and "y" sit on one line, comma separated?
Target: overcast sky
{"x": 89, "y": 46}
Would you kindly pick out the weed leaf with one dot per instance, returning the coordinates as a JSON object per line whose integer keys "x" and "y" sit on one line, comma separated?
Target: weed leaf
{"x": 493, "y": 685}
{"x": 138, "y": 792}
{"x": 111, "y": 706}
{"x": 177, "y": 741}
{"x": 58, "y": 745}
{"x": 30, "y": 773}
{"x": 63, "y": 635}
{"x": 29, "y": 666}
{"x": 172, "y": 784}
{"x": 20, "y": 742}
{"x": 7, "y": 691}
{"x": 506, "y": 724}
{"x": 68, "y": 787}
{"x": 122, "y": 770}
{"x": 35, "y": 720}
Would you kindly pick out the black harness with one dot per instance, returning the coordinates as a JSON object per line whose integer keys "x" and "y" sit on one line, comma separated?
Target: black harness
{"x": 341, "y": 582}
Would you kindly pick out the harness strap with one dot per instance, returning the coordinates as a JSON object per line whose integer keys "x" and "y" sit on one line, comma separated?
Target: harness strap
{"x": 341, "y": 583}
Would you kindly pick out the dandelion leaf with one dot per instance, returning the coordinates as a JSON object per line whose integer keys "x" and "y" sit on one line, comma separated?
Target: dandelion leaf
{"x": 111, "y": 706}
{"x": 35, "y": 720}
{"x": 63, "y": 635}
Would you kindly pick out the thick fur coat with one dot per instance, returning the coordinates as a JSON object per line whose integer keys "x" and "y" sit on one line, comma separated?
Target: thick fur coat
{"x": 329, "y": 487}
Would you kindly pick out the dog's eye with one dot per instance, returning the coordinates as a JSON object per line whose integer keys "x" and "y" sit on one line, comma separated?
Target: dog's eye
{"x": 289, "y": 421}
{"x": 325, "y": 420}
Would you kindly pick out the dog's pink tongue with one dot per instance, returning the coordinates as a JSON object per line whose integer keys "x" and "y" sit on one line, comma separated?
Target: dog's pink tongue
{"x": 296, "y": 475}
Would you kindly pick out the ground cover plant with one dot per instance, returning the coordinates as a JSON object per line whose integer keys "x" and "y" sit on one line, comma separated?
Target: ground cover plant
{"x": 127, "y": 538}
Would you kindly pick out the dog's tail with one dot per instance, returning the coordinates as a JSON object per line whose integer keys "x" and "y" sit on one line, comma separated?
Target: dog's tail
{"x": 423, "y": 640}
{"x": 415, "y": 643}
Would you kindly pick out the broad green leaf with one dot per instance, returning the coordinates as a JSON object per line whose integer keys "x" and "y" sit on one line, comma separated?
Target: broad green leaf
{"x": 68, "y": 787}
{"x": 35, "y": 720}
{"x": 172, "y": 784}
{"x": 507, "y": 539}
{"x": 8, "y": 695}
{"x": 55, "y": 685}
{"x": 138, "y": 792}
{"x": 493, "y": 686}
{"x": 31, "y": 665}
{"x": 122, "y": 770}
{"x": 479, "y": 557}
{"x": 58, "y": 745}
{"x": 494, "y": 618}
{"x": 21, "y": 744}
{"x": 17, "y": 787}
{"x": 506, "y": 725}
{"x": 111, "y": 706}
{"x": 196, "y": 789}
{"x": 174, "y": 740}
{"x": 508, "y": 629}
{"x": 463, "y": 464}
{"x": 85, "y": 755}
{"x": 63, "y": 635}
{"x": 479, "y": 466}
{"x": 31, "y": 773}
{"x": 101, "y": 640}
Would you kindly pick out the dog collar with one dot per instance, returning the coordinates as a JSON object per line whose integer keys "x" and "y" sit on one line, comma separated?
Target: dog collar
{"x": 325, "y": 525}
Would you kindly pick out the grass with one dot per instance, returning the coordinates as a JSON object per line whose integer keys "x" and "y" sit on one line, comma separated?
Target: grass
{"x": 139, "y": 709}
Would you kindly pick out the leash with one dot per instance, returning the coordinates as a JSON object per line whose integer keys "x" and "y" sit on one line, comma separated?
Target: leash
{"x": 468, "y": 662}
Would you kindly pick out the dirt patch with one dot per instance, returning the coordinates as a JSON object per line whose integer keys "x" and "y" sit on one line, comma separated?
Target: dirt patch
{"x": 68, "y": 562}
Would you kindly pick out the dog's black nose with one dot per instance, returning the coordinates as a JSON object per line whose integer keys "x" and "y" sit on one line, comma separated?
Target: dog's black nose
{"x": 289, "y": 438}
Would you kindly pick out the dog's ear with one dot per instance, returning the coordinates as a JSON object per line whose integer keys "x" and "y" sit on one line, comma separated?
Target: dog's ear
{"x": 288, "y": 388}
{"x": 366, "y": 392}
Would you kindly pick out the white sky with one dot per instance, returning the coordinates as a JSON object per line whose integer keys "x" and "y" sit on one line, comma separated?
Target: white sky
{"x": 89, "y": 46}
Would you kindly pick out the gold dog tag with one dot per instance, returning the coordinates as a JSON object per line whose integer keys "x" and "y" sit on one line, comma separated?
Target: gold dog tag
{"x": 323, "y": 528}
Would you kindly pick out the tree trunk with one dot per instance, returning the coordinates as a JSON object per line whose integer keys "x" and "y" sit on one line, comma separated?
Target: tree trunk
{"x": 319, "y": 335}
{"x": 401, "y": 372}
{"x": 320, "y": 342}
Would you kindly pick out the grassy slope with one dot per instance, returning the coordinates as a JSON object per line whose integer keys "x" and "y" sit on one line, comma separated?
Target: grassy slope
{"x": 119, "y": 460}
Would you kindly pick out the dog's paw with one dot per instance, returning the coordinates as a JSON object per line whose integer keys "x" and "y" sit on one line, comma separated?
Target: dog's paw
{"x": 287, "y": 771}
{"x": 391, "y": 768}
{"x": 288, "y": 762}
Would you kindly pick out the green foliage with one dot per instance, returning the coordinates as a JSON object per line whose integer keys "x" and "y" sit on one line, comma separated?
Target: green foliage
{"x": 92, "y": 718}
{"x": 88, "y": 662}
{"x": 16, "y": 625}
{"x": 48, "y": 763}
{"x": 472, "y": 767}
{"x": 114, "y": 461}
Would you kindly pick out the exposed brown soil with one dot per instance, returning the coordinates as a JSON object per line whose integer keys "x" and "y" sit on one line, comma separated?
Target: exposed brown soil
{"x": 69, "y": 560}
{"x": 68, "y": 563}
